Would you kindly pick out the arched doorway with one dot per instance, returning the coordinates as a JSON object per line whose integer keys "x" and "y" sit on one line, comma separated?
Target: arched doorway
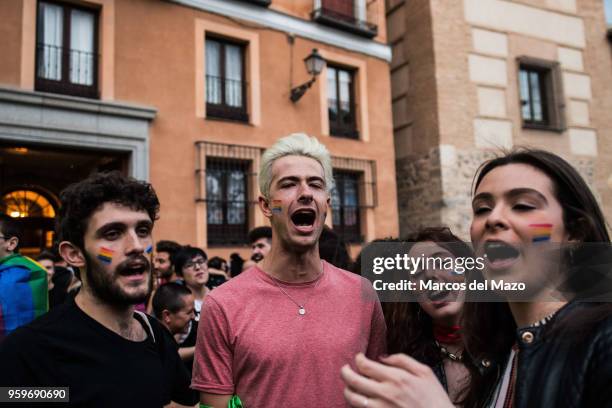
{"x": 32, "y": 178}
{"x": 35, "y": 212}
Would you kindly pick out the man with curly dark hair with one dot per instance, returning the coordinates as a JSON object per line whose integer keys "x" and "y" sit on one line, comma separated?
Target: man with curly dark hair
{"x": 97, "y": 344}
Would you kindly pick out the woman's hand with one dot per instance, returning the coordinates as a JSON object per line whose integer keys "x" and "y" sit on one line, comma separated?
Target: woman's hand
{"x": 400, "y": 382}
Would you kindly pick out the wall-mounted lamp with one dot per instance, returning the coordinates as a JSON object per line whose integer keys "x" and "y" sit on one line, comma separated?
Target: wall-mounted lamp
{"x": 314, "y": 65}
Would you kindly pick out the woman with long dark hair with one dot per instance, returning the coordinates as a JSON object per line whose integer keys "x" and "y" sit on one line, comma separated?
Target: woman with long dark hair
{"x": 429, "y": 329}
{"x": 546, "y": 350}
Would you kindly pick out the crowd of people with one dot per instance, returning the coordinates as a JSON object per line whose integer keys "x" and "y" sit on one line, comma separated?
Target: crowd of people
{"x": 124, "y": 321}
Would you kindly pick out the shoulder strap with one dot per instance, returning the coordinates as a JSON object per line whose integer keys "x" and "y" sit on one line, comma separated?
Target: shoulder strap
{"x": 142, "y": 317}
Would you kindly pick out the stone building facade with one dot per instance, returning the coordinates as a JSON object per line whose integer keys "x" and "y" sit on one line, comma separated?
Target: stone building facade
{"x": 461, "y": 93}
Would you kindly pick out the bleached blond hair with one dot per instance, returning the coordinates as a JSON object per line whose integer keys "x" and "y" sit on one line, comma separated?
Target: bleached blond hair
{"x": 298, "y": 144}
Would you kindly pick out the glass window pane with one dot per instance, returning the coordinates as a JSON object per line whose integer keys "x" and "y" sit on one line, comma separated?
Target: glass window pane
{"x": 213, "y": 72}
{"x": 236, "y": 213}
{"x": 536, "y": 99}
{"x": 214, "y": 212}
{"x": 332, "y": 97}
{"x": 50, "y": 33}
{"x": 345, "y": 96}
{"x": 351, "y": 201}
{"x": 351, "y": 197}
{"x": 345, "y": 86}
{"x": 236, "y": 197}
{"x": 233, "y": 75}
{"x": 525, "y": 100}
{"x": 335, "y": 204}
{"x": 350, "y": 216}
{"x": 82, "y": 47}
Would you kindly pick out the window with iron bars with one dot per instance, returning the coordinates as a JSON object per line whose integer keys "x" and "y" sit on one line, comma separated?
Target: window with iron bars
{"x": 346, "y": 217}
{"x": 227, "y": 213}
{"x": 66, "y": 49}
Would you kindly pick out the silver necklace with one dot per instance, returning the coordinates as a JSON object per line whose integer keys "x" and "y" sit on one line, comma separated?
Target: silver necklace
{"x": 301, "y": 307}
{"x": 453, "y": 356}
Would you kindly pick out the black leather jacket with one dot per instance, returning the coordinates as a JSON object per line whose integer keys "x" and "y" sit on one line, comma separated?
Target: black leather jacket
{"x": 566, "y": 368}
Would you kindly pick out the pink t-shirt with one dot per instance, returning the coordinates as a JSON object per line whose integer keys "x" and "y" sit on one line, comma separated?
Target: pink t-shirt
{"x": 253, "y": 343}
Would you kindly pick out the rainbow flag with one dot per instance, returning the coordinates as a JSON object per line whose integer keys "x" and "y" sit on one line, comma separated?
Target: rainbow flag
{"x": 23, "y": 292}
{"x": 541, "y": 232}
{"x": 105, "y": 255}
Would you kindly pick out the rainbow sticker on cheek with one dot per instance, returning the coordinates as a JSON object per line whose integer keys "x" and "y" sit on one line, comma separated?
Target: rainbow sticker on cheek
{"x": 277, "y": 206}
{"x": 541, "y": 232}
{"x": 106, "y": 255}
{"x": 149, "y": 249}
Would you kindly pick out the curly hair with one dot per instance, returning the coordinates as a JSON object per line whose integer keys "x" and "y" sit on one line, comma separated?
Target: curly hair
{"x": 80, "y": 200}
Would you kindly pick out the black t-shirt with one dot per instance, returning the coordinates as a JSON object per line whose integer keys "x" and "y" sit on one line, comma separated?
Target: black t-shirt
{"x": 215, "y": 280}
{"x": 68, "y": 348}
{"x": 190, "y": 341}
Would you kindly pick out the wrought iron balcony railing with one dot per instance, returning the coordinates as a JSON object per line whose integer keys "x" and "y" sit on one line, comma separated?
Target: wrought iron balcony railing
{"x": 66, "y": 71}
{"x": 264, "y": 3}
{"x": 356, "y": 16}
{"x": 226, "y": 98}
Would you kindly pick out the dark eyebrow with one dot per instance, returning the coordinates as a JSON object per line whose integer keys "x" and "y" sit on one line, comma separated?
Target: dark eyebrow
{"x": 121, "y": 226}
{"x": 521, "y": 191}
{"x": 482, "y": 196}
{"x": 511, "y": 194}
{"x": 107, "y": 227}
{"x": 145, "y": 223}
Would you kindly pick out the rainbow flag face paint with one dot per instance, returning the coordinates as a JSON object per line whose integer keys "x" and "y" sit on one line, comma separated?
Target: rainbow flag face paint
{"x": 106, "y": 255}
{"x": 149, "y": 249}
{"x": 541, "y": 232}
{"x": 277, "y": 206}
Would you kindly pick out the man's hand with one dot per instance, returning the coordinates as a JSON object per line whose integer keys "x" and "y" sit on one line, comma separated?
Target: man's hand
{"x": 215, "y": 400}
{"x": 400, "y": 382}
{"x": 173, "y": 404}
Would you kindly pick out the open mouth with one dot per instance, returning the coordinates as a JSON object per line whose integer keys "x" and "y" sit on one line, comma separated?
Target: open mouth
{"x": 438, "y": 295}
{"x": 500, "y": 254}
{"x": 303, "y": 219}
{"x": 134, "y": 269}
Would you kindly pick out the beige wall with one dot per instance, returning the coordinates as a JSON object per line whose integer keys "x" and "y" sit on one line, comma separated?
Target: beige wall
{"x": 598, "y": 61}
{"x": 415, "y": 111}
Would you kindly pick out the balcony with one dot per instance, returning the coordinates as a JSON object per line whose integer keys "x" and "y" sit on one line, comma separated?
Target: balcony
{"x": 263, "y": 3}
{"x": 226, "y": 98}
{"x": 355, "y": 16}
{"x": 66, "y": 71}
